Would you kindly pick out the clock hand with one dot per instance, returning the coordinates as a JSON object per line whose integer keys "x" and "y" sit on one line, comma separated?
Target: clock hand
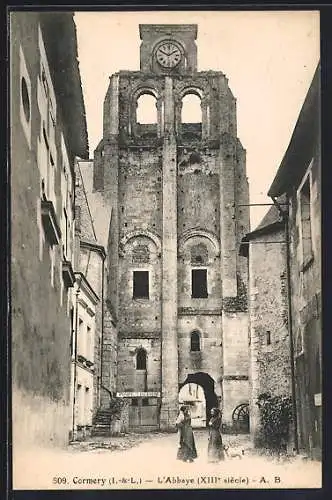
{"x": 173, "y": 52}
{"x": 163, "y": 52}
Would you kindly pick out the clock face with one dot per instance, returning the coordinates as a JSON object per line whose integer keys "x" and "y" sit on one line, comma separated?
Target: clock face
{"x": 168, "y": 55}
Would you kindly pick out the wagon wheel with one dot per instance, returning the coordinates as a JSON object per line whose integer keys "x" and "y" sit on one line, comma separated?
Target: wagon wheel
{"x": 240, "y": 417}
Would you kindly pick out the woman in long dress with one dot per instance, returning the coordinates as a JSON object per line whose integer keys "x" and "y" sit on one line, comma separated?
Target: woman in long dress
{"x": 215, "y": 445}
{"x": 187, "y": 448}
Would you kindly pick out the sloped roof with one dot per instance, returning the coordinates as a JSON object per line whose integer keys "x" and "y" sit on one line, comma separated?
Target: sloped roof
{"x": 302, "y": 143}
{"x": 270, "y": 223}
{"x": 59, "y": 33}
{"x": 271, "y": 216}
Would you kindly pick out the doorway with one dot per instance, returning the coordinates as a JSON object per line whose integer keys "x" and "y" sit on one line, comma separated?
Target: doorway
{"x": 206, "y": 386}
{"x": 192, "y": 395}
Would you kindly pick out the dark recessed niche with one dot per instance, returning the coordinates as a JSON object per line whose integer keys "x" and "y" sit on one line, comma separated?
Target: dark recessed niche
{"x": 25, "y": 99}
{"x": 125, "y": 224}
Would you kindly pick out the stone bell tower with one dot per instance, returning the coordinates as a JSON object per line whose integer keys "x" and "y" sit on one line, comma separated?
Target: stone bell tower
{"x": 177, "y": 196}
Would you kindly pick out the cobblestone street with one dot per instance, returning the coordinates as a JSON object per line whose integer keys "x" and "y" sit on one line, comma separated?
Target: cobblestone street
{"x": 148, "y": 461}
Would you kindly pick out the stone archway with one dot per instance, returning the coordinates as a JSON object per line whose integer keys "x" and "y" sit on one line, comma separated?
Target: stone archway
{"x": 207, "y": 383}
{"x": 192, "y": 395}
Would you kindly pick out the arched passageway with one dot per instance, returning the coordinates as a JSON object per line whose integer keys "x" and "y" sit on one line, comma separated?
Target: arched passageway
{"x": 206, "y": 383}
{"x": 192, "y": 395}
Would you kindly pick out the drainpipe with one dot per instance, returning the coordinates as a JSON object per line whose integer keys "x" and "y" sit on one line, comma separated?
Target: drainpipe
{"x": 75, "y": 364}
{"x": 102, "y": 328}
{"x": 285, "y": 217}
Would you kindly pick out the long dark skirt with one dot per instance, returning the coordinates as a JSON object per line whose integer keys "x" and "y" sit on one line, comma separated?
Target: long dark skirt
{"x": 215, "y": 446}
{"x": 187, "y": 449}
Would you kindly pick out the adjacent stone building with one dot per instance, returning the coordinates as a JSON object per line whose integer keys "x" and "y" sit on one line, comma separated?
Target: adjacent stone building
{"x": 89, "y": 266}
{"x": 285, "y": 284}
{"x": 48, "y": 129}
{"x": 269, "y": 341}
{"x": 299, "y": 179}
{"x": 173, "y": 199}
{"x": 92, "y": 232}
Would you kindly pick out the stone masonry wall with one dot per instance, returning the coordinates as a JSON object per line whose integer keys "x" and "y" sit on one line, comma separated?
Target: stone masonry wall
{"x": 140, "y": 172}
{"x": 307, "y": 310}
{"x": 41, "y": 327}
{"x": 127, "y": 372}
{"x": 269, "y": 336}
{"x": 140, "y": 190}
{"x": 91, "y": 204}
{"x": 209, "y": 358}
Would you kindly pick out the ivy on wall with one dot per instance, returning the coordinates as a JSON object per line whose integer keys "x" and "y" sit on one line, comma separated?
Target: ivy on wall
{"x": 276, "y": 417}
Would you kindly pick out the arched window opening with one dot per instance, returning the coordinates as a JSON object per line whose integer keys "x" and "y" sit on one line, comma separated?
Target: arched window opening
{"x": 141, "y": 359}
{"x": 195, "y": 342}
{"x": 191, "y": 116}
{"x": 191, "y": 109}
{"x": 146, "y": 109}
{"x": 146, "y": 116}
{"x": 141, "y": 254}
{"x": 199, "y": 255}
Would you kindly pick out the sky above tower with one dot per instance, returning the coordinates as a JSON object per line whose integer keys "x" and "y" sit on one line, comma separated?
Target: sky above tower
{"x": 269, "y": 58}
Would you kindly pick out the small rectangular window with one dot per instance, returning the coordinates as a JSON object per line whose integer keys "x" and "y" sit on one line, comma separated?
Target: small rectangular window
{"x": 268, "y": 337}
{"x": 141, "y": 284}
{"x": 65, "y": 236}
{"x": 78, "y": 218}
{"x": 134, "y": 402}
{"x": 145, "y": 402}
{"x": 199, "y": 284}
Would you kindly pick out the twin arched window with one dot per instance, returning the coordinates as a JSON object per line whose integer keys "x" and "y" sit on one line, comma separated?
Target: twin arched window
{"x": 146, "y": 111}
{"x": 149, "y": 115}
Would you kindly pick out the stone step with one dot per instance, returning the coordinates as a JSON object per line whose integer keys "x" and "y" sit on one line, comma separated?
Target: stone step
{"x": 143, "y": 429}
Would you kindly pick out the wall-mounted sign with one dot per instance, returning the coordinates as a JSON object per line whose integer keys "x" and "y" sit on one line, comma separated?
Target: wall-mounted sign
{"x": 318, "y": 399}
{"x": 138, "y": 394}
